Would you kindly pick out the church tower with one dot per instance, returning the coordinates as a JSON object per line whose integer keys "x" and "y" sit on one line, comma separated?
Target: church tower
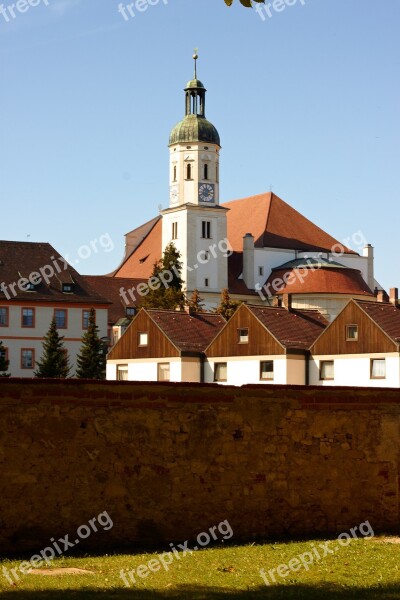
{"x": 194, "y": 221}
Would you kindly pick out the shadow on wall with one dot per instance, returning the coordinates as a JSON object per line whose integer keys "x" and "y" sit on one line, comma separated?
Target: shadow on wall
{"x": 298, "y": 592}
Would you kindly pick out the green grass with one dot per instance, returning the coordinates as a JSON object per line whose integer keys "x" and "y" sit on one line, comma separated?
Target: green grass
{"x": 366, "y": 569}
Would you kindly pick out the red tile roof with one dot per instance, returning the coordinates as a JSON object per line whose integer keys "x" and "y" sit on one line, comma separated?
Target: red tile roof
{"x": 275, "y": 224}
{"x": 296, "y": 329}
{"x": 189, "y": 333}
{"x": 385, "y": 315}
{"x": 318, "y": 281}
{"x": 110, "y": 288}
{"x": 272, "y": 222}
{"x": 22, "y": 259}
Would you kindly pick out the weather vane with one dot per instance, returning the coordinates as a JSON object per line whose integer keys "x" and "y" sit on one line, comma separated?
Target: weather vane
{"x": 195, "y": 57}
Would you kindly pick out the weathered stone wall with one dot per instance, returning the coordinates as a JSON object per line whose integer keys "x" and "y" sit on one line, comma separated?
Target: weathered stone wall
{"x": 167, "y": 461}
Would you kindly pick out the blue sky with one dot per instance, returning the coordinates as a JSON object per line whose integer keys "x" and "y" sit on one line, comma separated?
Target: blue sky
{"x": 306, "y": 101}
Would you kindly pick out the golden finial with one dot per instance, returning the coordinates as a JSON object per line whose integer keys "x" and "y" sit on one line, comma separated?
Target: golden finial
{"x": 195, "y": 57}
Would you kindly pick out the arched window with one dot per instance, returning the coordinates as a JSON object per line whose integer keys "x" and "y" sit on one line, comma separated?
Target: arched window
{"x": 205, "y": 171}
{"x": 189, "y": 171}
{"x": 174, "y": 172}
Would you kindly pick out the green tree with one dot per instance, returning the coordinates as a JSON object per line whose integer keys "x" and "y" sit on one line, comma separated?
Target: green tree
{"x": 165, "y": 283}
{"x": 54, "y": 362}
{"x": 196, "y": 303}
{"x": 227, "y": 307}
{"x": 246, "y": 3}
{"x": 3, "y": 362}
{"x": 91, "y": 360}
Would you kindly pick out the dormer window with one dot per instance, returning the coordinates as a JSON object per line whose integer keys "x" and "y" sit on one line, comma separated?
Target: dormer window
{"x": 30, "y": 287}
{"x": 67, "y": 288}
{"x": 130, "y": 311}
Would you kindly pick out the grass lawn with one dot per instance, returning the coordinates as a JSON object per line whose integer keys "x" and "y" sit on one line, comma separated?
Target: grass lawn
{"x": 366, "y": 569}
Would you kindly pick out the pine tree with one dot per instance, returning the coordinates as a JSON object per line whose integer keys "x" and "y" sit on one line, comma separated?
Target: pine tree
{"x": 91, "y": 360}
{"x": 227, "y": 307}
{"x": 54, "y": 362}
{"x": 3, "y": 362}
{"x": 196, "y": 303}
{"x": 168, "y": 269}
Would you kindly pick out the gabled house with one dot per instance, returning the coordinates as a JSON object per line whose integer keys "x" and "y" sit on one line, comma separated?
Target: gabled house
{"x": 360, "y": 348}
{"x": 163, "y": 345}
{"x": 37, "y": 284}
{"x": 263, "y": 345}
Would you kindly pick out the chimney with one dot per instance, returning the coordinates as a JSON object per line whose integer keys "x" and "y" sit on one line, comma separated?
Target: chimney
{"x": 380, "y": 296}
{"x": 248, "y": 261}
{"x": 287, "y": 301}
{"x": 394, "y": 296}
{"x": 368, "y": 252}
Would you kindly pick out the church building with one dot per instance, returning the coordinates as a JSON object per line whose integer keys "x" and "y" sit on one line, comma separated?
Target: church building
{"x": 260, "y": 247}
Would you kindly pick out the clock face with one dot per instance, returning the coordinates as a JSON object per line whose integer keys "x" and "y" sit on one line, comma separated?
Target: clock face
{"x": 174, "y": 194}
{"x": 206, "y": 192}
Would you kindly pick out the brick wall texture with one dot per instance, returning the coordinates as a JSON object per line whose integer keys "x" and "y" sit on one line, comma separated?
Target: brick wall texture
{"x": 167, "y": 461}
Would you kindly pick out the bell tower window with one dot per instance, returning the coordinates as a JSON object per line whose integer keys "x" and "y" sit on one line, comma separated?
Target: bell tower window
{"x": 174, "y": 172}
{"x": 206, "y": 171}
{"x": 189, "y": 171}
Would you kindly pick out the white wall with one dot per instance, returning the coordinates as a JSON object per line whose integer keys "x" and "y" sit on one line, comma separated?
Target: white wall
{"x": 144, "y": 369}
{"x": 354, "y": 370}
{"x": 246, "y": 370}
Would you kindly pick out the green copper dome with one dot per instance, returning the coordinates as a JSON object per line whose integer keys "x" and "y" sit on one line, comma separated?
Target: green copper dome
{"x": 194, "y": 84}
{"x": 194, "y": 128}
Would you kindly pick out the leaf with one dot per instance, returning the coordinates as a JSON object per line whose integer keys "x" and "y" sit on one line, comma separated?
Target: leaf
{"x": 246, "y": 3}
{"x": 228, "y": 2}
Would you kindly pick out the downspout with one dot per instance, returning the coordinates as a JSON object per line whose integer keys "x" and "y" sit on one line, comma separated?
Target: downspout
{"x": 307, "y": 367}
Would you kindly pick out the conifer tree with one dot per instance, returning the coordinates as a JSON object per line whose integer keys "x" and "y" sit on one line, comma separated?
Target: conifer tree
{"x": 167, "y": 295}
{"x": 54, "y": 362}
{"x": 227, "y": 307}
{"x": 3, "y": 362}
{"x": 91, "y": 360}
{"x": 196, "y": 303}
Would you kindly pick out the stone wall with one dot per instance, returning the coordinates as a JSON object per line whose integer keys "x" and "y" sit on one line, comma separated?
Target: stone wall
{"x": 167, "y": 461}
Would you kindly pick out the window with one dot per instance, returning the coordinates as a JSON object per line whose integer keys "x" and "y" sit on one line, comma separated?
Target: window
{"x": 163, "y": 372}
{"x": 27, "y": 358}
{"x": 28, "y": 317}
{"x": 326, "y": 370}
{"x": 30, "y": 287}
{"x": 174, "y": 172}
{"x": 266, "y": 370}
{"x": 122, "y": 372}
{"x": 206, "y": 229}
{"x": 206, "y": 282}
{"x": 4, "y": 353}
{"x": 85, "y": 319}
{"x": 143, "y": 338}
{"x": 3, "y": 317}
{"x": 205, "y": 171}
{"x": 261, "y": 271}
{"x": 67, "y": 288}
{"x": 220, "y": 371}
{"x": 189, "y": 171}
{"x": 60, "y": 315}
{"x": 243, "y": 336}
{"x": 378, "y": 368}
{"x": 351, "y": 333}
{"x": 217, "y": 172}
{"x": 130, "y": 311}
{"x": 175, "y": 230}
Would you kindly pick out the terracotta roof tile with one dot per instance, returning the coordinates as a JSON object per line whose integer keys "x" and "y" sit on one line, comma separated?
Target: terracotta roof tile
{"x": 190, "y": 333}
{"x": 109, "y": 287}
{"x": 296, "y": 329}
{"x": 21, "y": 259}
{"x": 318, "y": 281}
{"x": 141, "y": 261}
{"x": 386, "y": 315}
